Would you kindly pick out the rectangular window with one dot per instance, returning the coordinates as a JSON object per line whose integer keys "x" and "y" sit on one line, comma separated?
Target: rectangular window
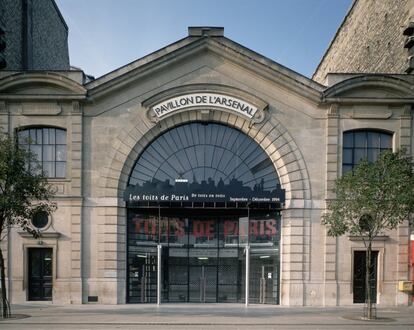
{"x": 48, "y": 145}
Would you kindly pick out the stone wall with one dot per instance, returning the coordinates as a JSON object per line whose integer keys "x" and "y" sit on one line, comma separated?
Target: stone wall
{"x": 370, "y": 40}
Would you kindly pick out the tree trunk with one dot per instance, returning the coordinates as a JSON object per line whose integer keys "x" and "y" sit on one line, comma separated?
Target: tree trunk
{"x": 4, "y": 303}
{"x": 368, "y": 300}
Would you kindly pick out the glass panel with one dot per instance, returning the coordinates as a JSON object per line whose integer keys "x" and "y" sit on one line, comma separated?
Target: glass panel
{"x": 32, "y": 136}
{"x": 39, "y": 136}
{"x": 61, "y": 152}
{"x": 348, "y": 139}
{"x": 359, "y": 154}
{"x": 347, "y": 156}
{"x": 48, "y": 153}
{"x": 373, "y": 154}
{"x": 60, "y": 136}
{"x": 23, "y": 136}
{"x": 40, "y": 219}
{"x": 386, "y": 141}
{"x": 60, "y": 169}
{"x": 47, "y": 263}
{"x": 49, "y": 169}
{"x": 360, "y": 139}
{"x": 52, "y": 136}
{"x": 373, "y": 140}
{"x": 46, "y": 136}
{"x": 37, "y": 151}
{"x": 346, "y": 169}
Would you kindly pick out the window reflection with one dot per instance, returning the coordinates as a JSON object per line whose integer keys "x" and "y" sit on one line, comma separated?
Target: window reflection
{"x": 361, "y": 144}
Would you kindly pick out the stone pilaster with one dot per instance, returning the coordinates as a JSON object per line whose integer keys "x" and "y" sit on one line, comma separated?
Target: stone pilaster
{"x": 403, "y": 265}
{"x": 293, "y": 257}
{"x": 76, "y": 207}
{"x": 405, "y": 128}
{"x": 332, "y": 150}
{"x": 111, "y": 254}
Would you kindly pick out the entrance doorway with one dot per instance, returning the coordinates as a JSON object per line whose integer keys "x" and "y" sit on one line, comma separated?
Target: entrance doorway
{"x": 40, "y": 274}
{"x": 142, "y": 284}
{"x": 206, "y": 196}
{"x": 360, "y": 276}
{"x": 202, "y": 284}
{"x": 264, "y": 288}
{"x": 203, "y": 257}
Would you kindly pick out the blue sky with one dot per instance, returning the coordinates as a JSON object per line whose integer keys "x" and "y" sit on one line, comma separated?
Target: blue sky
{"x": 107, "y": 34}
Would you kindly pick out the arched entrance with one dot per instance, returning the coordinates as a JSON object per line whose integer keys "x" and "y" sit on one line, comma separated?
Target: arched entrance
{"x": 207, "y": 197}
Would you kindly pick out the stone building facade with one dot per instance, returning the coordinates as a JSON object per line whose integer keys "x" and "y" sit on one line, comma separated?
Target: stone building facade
{"x": 35, "y": 36}
{"x": 199, "y": 173}
{"x": 373, "y": 38}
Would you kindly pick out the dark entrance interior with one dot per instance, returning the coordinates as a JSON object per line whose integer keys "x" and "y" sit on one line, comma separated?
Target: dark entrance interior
{"x": 40, "y": 273}
{"x": 360, "y": 276}
{"x": 203, "y": 255}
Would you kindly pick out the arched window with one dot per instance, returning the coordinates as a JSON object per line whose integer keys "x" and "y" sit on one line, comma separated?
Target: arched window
{"x": 359, "y": 144}
{"x": 48, "y": 144}
{"x": 205, "y": 154}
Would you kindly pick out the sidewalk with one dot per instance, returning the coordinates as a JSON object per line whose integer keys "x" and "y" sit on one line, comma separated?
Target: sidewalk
{"x": 202, "y": 316}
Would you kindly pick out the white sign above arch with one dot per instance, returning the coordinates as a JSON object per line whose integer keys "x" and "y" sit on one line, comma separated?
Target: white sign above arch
{"x": 203, "y": 100}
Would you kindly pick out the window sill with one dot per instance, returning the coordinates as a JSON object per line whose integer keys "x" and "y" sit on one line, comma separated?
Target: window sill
{"x": 58, "y": 180}
{"x": 43, "y": 235}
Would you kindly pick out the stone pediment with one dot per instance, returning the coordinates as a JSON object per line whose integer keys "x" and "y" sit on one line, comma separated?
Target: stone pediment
{"x": 375, "y": 88}
{"x": 40, "y": 86}
{"x": 198, "y": 48}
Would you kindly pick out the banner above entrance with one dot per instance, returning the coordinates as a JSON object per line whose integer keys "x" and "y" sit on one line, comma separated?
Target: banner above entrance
{"x": 206, "y": 191}
{"x": 204, "y": 100}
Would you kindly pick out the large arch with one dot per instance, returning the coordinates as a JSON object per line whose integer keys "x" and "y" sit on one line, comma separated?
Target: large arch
{"x": 277, "y": 143}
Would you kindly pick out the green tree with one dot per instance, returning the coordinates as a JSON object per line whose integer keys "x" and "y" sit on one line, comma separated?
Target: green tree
{"x": 373, "y": 198}
{"x": 23, "y": 192}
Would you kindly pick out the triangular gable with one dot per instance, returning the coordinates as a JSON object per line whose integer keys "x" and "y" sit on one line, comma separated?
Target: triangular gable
{"x": 223, "y": 47}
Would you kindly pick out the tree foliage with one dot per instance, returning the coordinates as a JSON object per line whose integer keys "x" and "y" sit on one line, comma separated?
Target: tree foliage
{"x": 23, "y": 192}
{"x": 373, "y": 198}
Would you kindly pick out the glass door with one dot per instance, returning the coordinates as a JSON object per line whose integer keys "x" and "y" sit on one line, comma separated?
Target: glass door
{"x": 264, "y": 277}
{"x": 142, "y": 280}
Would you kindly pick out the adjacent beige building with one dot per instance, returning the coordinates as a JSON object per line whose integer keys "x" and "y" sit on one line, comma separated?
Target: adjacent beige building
{"x": 199, "y": 166}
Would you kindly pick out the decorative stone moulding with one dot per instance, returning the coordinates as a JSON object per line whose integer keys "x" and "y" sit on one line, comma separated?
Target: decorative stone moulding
{"x": 204, "y": 98}
{"x": 361, "y": 238}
